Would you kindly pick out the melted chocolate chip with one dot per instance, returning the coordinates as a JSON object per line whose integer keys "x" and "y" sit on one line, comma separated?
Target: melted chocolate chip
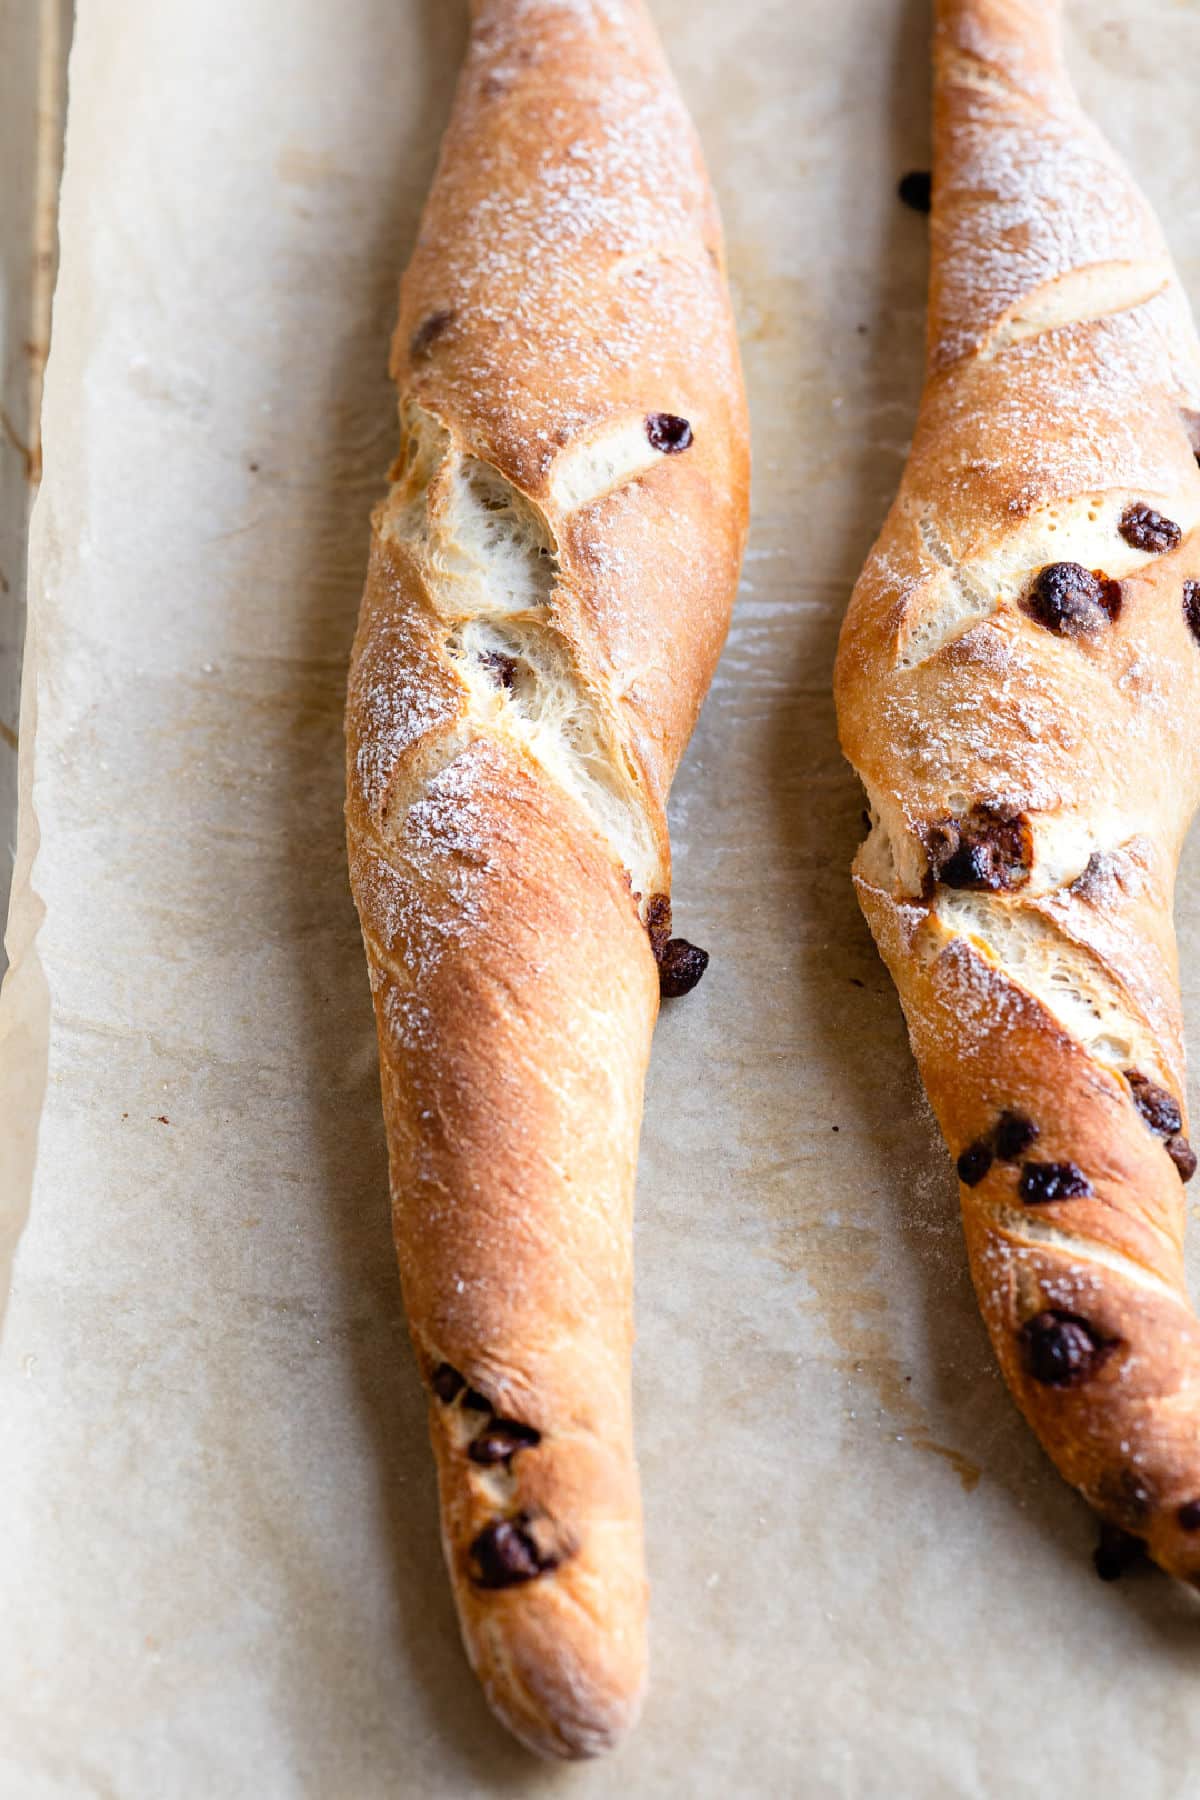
{"x": 1060, "y": 1348}
{"x": 1191, "y": 607}
{"x": 1182, "y": 1155}
{"x": 1162, "y": 1113}
{"x": 974, "y": 1163}
{"x": 916, "y": 189}
{"x": 658, "y": 921}
{"x": 1159, "y": 1108}
{"x": 1014, "y": 1134}
{"x": 502, "y": 1439}
{"x": 668, "y": 432}
{"x": 1145, "y": 529}
{"x": 680, "y": 966}
{"x": 505, "y": 1554}
{"x": 990, "y": 848}
{"x": 501, "y": 668}
{"x": 446, "y": 1383}
{"x": 1125, "y": 1498}
{"x": 1072, "y": 601}
{"x": 969, "y": 867}
{"x": 1044, "y": 1181}
{"x": 427, "y": 334}
{"x": 1117, "y": 1551}
{"x": 1189, "y": 1515}
{"x": 474, "y": 1401}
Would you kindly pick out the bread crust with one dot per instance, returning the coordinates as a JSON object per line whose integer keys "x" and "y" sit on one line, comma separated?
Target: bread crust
{"x": 550, "y": 584}
{"x": 1027, "y": 741}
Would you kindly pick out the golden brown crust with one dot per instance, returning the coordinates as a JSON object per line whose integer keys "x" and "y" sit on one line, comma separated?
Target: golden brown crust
{"x": 1027, "y": 742}
{"x": 551, "y": 580}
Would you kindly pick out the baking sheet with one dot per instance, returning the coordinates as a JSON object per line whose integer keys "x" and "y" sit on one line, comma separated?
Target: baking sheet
{"x": 218, "y": 1543}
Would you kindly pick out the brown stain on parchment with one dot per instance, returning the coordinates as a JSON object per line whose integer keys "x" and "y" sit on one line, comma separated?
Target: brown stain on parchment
{"x": 30, "y": 454}
{"x": 841, "y": 1264}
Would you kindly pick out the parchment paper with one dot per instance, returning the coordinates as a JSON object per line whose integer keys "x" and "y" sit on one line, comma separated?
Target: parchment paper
{"x": 218, "y": 1552}
{"x": 34, "y": 35}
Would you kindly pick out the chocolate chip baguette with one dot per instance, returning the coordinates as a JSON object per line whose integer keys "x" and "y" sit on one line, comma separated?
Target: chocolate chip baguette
{"x": 550, "y": 584}
{"x": 1018, "y": 685}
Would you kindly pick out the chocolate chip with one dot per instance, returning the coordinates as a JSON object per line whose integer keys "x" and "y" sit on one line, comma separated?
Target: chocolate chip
{"x": 1014, "y": 1134}
{"x": 1072, "y": 601}
{"x": 427, "y": 334}
{"x": 974, "y": 1163}
{"x": 1191, "y": 607}
{"x": 658, "y": 921}
{"x": 502, "y": 1439}
{"x": 989, "y": 848}
{"x": 1043, "y": 1181}
{"x": 1117, "y": 1551}
{"x": 668, "y": 432}
{"x": 1189, "y": 1515}
{"x": 1125, "y": 1498}
{"x": 1163, "y": 1114}
{"x": 969, "y": 867}
{"x": 501, "y": 668}
{"x": 505, "y": 1554}
{"x": 1060, "y": 1348}
{"x": 1183, "y": 1156}
{"x": 1159, "y": 1108}
{"x": 916, "y": 189}
{"x": 1145, "y": 529}
{"x": 474, "y": 1401}
{"x": 446, "y": 1383}
{"x": 680, "y": 966}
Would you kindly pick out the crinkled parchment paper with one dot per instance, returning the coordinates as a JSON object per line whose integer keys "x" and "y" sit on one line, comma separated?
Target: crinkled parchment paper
{"x": 218, "y": 1548}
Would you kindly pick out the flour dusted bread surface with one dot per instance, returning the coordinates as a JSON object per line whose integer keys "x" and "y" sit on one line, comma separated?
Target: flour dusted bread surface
{"x": 550, "y": 584}
{"x": 1018, "y": 685}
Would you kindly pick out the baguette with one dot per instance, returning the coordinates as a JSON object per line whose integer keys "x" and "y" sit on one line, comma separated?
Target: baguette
{"x": 1018, "y": 684}
{"x": 550, "y": 584}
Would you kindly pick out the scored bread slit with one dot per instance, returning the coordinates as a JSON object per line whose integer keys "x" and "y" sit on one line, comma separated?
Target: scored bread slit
{"x": 1080, "y": 297}
{"x": 1065, "y": 977}
{"x": 491, "y": 566}
{"x": 965, "y": 69}
{"x": 1020, "y": 1229}
{"x": 957, "y": 593}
